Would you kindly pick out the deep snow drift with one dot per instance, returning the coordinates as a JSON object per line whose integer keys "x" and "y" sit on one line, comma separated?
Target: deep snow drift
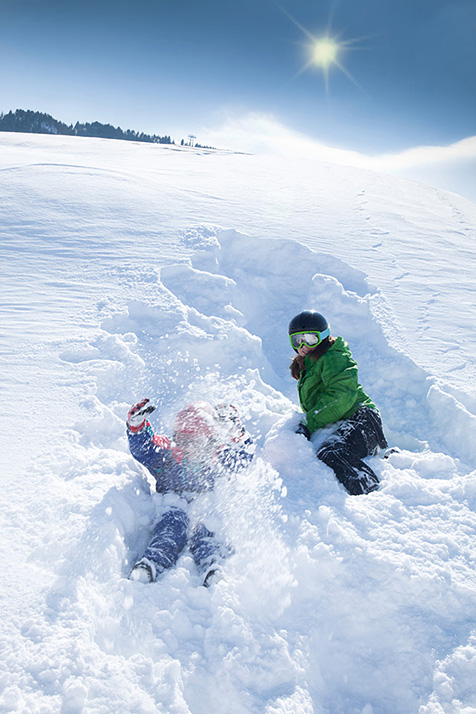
{"x": 117, "y": 284}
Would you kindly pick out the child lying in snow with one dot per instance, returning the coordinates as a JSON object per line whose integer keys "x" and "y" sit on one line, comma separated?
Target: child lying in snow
{"x": 329, "y": 392}
{"x": 207, "y": 441}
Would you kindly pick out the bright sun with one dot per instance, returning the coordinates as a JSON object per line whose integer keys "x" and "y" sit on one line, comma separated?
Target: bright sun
{"x": 324, "y": 52}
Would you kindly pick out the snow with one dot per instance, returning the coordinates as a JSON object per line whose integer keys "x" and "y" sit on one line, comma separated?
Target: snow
{"x": 133, "y": 270}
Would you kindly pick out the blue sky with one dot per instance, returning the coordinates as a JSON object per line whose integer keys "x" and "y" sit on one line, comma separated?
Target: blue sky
{"x": 174, "y": 67}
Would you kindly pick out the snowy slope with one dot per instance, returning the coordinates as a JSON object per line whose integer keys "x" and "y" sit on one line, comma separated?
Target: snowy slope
{"x": 132, "y": 270}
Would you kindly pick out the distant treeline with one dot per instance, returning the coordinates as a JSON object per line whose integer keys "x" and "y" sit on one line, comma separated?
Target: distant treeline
{"x": 38, "y": 123}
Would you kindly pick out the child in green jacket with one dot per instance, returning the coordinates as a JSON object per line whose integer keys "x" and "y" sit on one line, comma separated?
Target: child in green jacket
{"x": 330, "y": 393}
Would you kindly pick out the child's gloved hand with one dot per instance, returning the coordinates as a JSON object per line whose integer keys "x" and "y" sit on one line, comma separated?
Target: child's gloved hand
{"x": 136, "y": 417}
{"x": 303, "y": 429}
{"x": 229, "y": 421}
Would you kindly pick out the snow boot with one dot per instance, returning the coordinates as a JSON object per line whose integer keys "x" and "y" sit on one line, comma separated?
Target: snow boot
{"x": 213, "y": 574}
{"x": 143, "y": 571}
{"x": 391, "y": 450}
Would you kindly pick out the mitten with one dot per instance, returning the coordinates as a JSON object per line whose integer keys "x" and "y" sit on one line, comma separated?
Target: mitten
{"x": 136, "y": 417}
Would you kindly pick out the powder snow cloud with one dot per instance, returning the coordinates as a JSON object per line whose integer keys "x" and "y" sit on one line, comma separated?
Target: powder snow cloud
{"x": 451, "y": 167}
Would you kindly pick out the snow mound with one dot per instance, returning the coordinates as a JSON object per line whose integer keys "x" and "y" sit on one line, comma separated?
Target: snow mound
{"x": 331, "y": 604}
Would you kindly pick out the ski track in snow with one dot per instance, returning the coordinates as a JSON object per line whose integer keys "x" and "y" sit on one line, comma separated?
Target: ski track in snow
{"x": 331, "y": 604}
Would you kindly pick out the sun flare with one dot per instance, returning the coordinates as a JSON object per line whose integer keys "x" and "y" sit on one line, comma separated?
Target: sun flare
{"x": 324, "y": 52}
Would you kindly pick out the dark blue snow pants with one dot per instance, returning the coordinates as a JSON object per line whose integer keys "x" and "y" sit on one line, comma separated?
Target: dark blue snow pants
{"x": 171, "y": 535}
{"x": 359, "y": 436}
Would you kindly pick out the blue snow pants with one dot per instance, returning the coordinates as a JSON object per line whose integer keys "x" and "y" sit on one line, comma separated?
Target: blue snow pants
{"x": 171, "y": 535}
{"x": 359, "y": 436}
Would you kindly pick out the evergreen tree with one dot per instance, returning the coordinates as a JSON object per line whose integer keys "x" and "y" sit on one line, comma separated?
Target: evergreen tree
{"x": 38, "y": 123}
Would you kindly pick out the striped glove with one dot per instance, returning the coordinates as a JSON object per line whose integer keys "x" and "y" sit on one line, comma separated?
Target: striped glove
{"x": 136, "y": 417}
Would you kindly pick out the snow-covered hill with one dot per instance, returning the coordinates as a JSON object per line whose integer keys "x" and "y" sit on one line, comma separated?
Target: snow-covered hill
{"x": 132, "y": 270}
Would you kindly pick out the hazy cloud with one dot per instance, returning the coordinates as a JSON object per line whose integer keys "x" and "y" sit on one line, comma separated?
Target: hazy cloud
{"x": 451, "y": 167}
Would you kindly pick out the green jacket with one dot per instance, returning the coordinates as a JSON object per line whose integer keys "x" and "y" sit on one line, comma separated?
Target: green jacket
{"x": 329, "y": 388}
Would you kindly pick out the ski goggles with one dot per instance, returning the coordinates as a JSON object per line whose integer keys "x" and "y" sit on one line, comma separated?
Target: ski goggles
{"x": 307, "y": 339}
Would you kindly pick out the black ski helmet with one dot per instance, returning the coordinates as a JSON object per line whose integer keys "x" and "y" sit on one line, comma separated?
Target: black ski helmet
{"x": 308, "y": 321}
